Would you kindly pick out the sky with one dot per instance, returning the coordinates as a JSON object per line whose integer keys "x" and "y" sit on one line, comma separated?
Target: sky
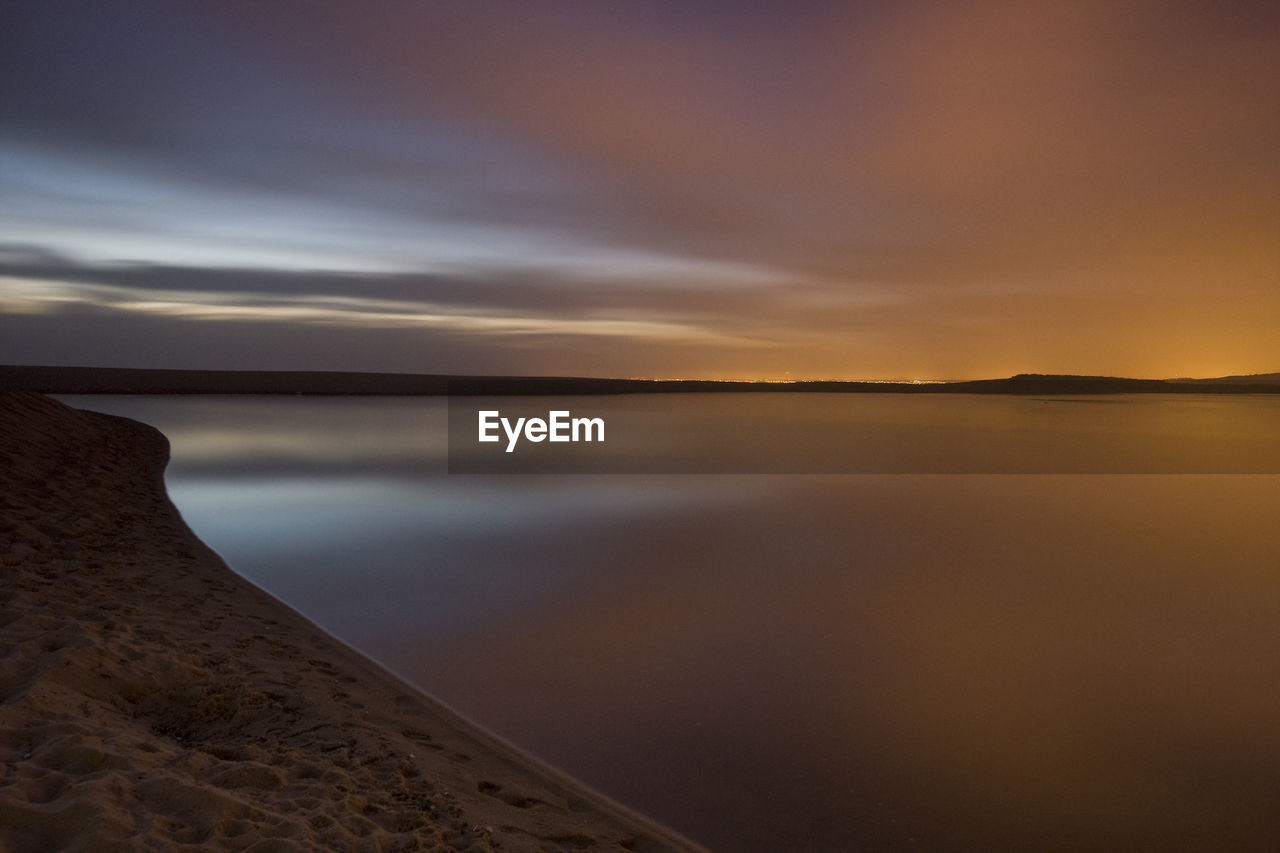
{"x": 858, "y": 190}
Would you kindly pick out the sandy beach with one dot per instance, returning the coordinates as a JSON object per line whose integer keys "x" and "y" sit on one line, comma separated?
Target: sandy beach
{"x": 151, "y": 699}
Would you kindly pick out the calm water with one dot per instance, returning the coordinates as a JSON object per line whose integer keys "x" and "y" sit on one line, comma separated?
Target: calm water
{"x": 877, "y": 662}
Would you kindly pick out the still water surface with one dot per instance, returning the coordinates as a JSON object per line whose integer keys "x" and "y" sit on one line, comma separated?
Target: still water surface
{"x": 771, "y": 662}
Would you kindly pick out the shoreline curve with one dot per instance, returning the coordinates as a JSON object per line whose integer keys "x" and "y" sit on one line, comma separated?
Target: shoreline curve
{"x": 151, "y": 698}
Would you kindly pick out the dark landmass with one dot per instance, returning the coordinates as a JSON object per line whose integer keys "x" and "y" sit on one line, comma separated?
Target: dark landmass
{"x": 113, "y": 380}
{"x": 1250, "y": 379}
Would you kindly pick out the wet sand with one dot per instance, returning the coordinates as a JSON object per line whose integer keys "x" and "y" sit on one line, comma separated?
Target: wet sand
{"x": 151, "y": 699}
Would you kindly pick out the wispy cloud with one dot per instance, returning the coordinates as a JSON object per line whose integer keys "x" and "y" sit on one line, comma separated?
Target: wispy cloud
{"x": 45, "y": 296}
{"x": 1086, "y": 187}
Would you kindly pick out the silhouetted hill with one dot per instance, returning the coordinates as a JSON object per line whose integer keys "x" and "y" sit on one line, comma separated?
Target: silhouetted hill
{"x": 1248, "y": 379}
{"x": 1046, "y": 383}
{"x": 114, "y": 380}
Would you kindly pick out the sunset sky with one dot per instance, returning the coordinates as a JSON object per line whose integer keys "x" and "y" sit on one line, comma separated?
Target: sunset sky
{"x": 790, "y": 189}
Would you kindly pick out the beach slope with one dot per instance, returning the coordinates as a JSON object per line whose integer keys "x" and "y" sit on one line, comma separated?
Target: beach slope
{"x": 151, "y": 699}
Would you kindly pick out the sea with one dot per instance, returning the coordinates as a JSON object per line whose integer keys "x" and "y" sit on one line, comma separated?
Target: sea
{"x": 820, "y": 622}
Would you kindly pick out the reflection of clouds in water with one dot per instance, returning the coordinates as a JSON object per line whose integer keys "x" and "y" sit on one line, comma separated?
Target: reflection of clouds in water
{"x": 430, "y": 552}
{"x": 352, "y": 509}
{"x": 238, "y": 436}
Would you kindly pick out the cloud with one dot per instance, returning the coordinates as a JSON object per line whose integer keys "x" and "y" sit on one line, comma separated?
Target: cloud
{"x": 856, "y": 186}
{"x": 40, "y": 282}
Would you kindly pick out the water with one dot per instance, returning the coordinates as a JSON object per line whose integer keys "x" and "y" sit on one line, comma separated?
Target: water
{"x": 874, "y": 662}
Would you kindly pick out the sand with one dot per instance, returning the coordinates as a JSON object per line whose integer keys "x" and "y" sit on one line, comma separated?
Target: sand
{"x": 151, "y": 699}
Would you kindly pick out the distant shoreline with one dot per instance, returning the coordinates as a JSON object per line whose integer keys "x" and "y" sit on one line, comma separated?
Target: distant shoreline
{"x": 115, "y": 380}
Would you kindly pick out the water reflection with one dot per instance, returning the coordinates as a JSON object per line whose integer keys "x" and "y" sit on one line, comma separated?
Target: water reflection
{"x": 791, "y": 663}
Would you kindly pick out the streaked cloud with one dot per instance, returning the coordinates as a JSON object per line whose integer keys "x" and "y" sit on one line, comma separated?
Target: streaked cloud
{"x": 33, "y": 296}
{"x": 874, "y": 189}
